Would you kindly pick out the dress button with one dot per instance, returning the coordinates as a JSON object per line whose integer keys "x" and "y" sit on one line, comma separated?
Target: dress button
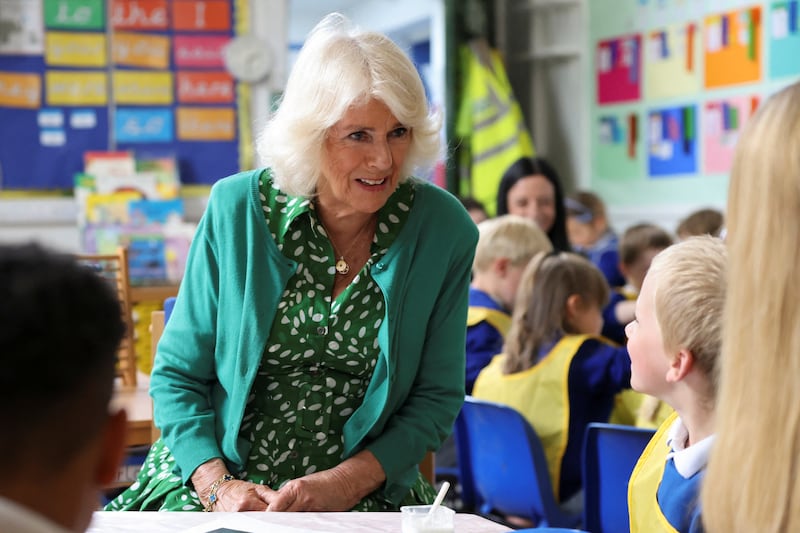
{"x": 293, "y": 454}
{"x": 322, "y": 330}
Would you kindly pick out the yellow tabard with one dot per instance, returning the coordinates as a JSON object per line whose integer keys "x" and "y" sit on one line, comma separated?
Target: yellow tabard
{"x": 498, "y": 319}
{"x": 643, "y": 509}
{"x": 541, "y": 394}
{"x": 630, "y": 406}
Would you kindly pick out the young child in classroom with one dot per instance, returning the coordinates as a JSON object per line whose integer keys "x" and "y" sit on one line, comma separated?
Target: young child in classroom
{"x": 477, "y": 211}
{"x": 554, "y": 353}
{"x": 639, "y": 244}
{"x": 706, "y": 221}
{"x": 674, "y": 345}
{"x": 590, "y": 234}
{"x": 505, "y": 246}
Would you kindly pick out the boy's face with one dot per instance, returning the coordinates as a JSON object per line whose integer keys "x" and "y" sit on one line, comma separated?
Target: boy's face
{"x": 510, "y": 284}
{"x": 580, "y": 234}
{"x": 636, "y": 271}
{"x": 649, "y": 360}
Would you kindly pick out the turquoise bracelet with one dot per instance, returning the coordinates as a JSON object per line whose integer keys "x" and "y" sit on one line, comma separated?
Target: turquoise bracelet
{"x": 212, "y": 493}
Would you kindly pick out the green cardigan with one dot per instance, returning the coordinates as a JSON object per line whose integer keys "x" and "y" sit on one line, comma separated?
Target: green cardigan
{"x": 212, "y": 346}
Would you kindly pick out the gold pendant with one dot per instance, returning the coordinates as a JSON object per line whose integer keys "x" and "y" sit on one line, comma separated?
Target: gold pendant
{"x": 342, "y": 267}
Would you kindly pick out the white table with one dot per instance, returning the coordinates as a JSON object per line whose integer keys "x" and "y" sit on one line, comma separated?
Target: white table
{"x": 258, "y": 522}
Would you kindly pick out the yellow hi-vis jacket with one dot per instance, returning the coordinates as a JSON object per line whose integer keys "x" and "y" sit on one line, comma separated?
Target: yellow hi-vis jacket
{"x": 489, "y": 122}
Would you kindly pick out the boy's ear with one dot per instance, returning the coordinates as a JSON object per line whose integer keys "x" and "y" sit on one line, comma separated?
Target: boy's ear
{"x": 501, "y": 266}
{"x": 112, "y": 448}
{"x": 681, "y": 364}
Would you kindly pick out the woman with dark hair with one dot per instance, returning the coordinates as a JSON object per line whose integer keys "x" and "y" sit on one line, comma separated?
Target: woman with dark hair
{"x": 531, "y": 188}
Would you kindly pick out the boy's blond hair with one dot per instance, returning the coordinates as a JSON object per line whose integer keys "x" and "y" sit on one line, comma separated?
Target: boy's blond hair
{"x": 508, "y": 236}
{"x": 689, "y": 299}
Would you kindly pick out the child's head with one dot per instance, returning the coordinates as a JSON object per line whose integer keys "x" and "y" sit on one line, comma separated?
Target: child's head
{"x": 586, "y": 219}
{"x": 560, "y": 293}
{"x": 678, "y": 325}
{"x": 505, "y": 246}
{"x": 637, "y": 247}
{"x": 477, "y": 211}
{"x": 701, "y": 222}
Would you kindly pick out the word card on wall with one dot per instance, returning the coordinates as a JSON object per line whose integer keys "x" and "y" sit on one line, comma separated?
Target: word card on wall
{"x": 140, "y": 75}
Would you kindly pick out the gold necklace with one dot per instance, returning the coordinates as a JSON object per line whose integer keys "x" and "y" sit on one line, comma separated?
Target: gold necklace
{"x": 342, "y": 266}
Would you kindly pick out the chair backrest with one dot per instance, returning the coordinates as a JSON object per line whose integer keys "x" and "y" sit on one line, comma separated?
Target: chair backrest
{"x": 470, "y": 499}
{"x": 610, "y": 452}
{"x": 114, "y": 268}
{"x": 508, "y": 465}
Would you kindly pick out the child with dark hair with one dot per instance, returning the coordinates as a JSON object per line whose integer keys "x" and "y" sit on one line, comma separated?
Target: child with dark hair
{"x": 60, "y": 329}
{"x": 590, "y": 234}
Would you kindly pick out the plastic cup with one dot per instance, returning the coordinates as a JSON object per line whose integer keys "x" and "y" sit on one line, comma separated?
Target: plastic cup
{"x": 416, "y": 519}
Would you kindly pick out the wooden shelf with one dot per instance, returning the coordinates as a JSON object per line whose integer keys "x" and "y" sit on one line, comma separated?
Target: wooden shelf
{"x": 152, "y": 293}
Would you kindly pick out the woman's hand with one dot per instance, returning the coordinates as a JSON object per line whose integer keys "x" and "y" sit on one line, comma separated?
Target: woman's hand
{"x": 337, "y": 489}
{"x": 234, "y": 495}
{"x": 240, "y": 495}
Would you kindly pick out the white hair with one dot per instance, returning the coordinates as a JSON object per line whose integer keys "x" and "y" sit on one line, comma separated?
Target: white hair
{"x": 340, "y": 66}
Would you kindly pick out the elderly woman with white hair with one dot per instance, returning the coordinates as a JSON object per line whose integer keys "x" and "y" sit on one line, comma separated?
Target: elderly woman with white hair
{"x": 316, "y": 348}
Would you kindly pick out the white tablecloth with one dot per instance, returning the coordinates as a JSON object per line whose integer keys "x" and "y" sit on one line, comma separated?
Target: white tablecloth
{"x": 258, "y": 522}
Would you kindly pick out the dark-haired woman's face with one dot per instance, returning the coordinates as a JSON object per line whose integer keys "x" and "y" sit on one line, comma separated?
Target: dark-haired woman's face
{"x": 533, "y": 197}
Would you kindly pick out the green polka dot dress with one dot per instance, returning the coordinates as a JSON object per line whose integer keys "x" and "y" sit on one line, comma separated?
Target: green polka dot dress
{"x": 315, "y": 369}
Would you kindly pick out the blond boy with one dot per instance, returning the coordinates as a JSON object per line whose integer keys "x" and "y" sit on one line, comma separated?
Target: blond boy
{"x": 505, "y": 246}
{"x": 674, "y": 344}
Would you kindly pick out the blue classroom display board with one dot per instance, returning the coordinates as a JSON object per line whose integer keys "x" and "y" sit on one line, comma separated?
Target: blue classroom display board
{"x": 93, "y": 75}
{"x": 672, "y": 141}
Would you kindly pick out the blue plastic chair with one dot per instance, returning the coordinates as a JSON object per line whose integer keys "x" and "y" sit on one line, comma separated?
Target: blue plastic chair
{"x": 508, "y": 465}
{"x": 610, "y": 452}
{"x": 551, "y": 530}
{"x": 169, "y": 304}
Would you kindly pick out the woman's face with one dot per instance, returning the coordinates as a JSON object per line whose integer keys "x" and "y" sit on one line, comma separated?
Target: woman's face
{"x": 361, "y": 158}
{"x": 534, "y": 197}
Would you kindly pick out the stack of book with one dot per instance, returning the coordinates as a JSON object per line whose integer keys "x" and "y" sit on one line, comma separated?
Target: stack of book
{"x": 134, "y": 200}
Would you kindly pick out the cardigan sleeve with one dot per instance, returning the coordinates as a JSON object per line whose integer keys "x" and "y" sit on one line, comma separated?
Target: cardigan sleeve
{"x": 183, "y": 371}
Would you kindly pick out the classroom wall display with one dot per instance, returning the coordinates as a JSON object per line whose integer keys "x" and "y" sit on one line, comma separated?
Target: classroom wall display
{"x": 733, "y": 47}
{"x": 706, "y": 66}
{"x": 671, "y": 61}
{"x": 619, "y": 151}
{"x": 723, "y": 121}
{"x": 784, "y": 39}
{"x": 619, "y": 68}
{"x": 672, "y": 141}
{"x": 137, "y": 75}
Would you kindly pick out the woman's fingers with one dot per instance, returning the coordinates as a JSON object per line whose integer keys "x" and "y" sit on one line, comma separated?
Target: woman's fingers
{"x": 242, "y": 496}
